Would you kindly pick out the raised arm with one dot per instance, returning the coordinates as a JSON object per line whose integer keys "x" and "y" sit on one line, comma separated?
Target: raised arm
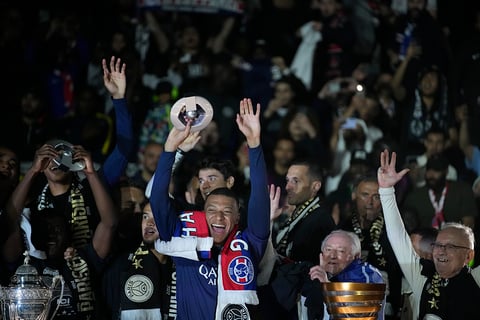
{"x": 396, "y": 232}
{"x": 184, "y": 147}
{"x": 162, "y": 208}
{"x": 160, "y": 39}
{"x": 413, "y": 51}
{"x": 18, "y": 199}
{"x": 102, "y": 238}
{"x": 248, "y": 122}
{"x": 217, "y": 44}
{"x": 13, "y": 247}
{"x": 270, "y": 256}
{"x": 114, "y": 79}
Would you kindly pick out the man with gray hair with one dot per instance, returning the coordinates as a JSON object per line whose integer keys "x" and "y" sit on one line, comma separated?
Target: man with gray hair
{"x": 340, "y": 261}
{"x": 446, "y": 287}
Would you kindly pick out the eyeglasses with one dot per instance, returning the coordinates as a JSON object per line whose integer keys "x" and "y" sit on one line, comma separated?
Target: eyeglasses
{"x": 447, "y": 247}
{"x": 339, "y": 251}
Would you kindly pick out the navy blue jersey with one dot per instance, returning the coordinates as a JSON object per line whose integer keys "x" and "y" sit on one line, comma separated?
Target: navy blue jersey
{"x": 197, "y": 289}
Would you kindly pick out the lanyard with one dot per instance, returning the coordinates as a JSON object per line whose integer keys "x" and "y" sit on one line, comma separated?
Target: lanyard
{"x": 438, "y": 219}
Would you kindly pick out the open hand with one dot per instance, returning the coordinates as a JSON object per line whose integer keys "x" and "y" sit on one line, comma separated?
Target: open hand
{"x": 275, "y": 209}
{"x": 114, "y": 77}
{"x": 248, "y": 122}
{"x": 387, "y": 175}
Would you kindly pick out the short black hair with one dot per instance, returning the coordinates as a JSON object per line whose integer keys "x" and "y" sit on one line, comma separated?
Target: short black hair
{"x": 225, "y": 167}
{"x": 315, "y": 170}
{"x": 225, "y": 192}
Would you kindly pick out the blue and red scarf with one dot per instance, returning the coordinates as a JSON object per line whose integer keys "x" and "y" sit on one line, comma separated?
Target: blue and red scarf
{"x": 236, "y": 272}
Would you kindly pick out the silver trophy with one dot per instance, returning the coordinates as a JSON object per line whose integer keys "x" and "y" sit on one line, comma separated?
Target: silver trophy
{"x": 28, "y": 297}
{"x": 196, "y": 109}
{"x": 64, "y": 161}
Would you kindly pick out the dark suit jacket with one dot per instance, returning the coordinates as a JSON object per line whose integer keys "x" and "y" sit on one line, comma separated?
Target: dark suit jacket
{"x": 308, "y": 234}
{"x": 459, "y": 202}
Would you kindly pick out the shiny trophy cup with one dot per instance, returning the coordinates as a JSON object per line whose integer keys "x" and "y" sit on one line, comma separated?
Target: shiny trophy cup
{"x": 352, "y": 300}
{"x": 194, "y": 108}
{"x": 27, "y": 297}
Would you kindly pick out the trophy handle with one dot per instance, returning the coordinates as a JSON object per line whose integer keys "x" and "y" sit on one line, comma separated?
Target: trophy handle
{"x": 55, "y": 281}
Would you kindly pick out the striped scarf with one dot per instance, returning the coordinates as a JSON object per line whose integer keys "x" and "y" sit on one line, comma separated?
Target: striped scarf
{"x": 81, "y": 232}
{"x": 283, "y": 246}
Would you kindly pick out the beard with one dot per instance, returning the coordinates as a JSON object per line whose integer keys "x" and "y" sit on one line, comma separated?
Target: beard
{"x": 437, "y": 185}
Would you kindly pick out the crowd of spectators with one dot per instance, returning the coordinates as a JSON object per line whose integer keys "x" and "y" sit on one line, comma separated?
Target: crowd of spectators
{"x": 338, "y": 81}
{"x": 396, "y": 68}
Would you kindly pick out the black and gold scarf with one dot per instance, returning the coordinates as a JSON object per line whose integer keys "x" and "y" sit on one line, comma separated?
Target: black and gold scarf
{"x": 375, "y": 233}
{"x": 300, "y": 213}
{"x": 78, "y": 218}
{"x": 83, "y": 286}
{"x": 431, "y": 299}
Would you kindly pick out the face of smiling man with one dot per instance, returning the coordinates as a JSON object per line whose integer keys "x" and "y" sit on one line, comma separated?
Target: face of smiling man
{"x": 451, "y": 252}
{"x": 54, "y": 174}
{"x": 222, "y": 214}
{"x": 337, "y": 253}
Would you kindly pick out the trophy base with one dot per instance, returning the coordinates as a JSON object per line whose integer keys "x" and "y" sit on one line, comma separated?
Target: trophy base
{"x": 12, "y": 311}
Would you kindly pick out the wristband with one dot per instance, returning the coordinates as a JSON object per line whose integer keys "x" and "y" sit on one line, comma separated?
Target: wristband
{"x": 180, "y": 151}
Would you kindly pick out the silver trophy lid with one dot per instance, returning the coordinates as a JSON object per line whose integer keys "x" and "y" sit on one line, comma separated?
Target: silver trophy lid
{"x": 27, "y": 297}
{"x": 26, "y": 275}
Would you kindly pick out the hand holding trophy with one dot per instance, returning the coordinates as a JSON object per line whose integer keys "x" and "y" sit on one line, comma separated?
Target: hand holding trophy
{"x": 194, "y": 108}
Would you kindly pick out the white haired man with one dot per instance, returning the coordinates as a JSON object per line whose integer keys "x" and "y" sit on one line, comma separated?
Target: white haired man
{"x": 446, "y": 287}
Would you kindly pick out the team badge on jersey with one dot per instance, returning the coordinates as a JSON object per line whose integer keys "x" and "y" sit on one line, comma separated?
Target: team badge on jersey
{"x": 138, "y": 288}
{"x": 235, "y": 312}
{"x": 240, "y": 270}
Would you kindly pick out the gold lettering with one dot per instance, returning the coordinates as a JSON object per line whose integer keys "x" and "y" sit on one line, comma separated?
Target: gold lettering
{"x": 85, "y": 306}
{"x": 81, "y": 276}
{"x": 83, "y": 287}
{"x": 81, "y": 231}
{"x": 88, "y": 296}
